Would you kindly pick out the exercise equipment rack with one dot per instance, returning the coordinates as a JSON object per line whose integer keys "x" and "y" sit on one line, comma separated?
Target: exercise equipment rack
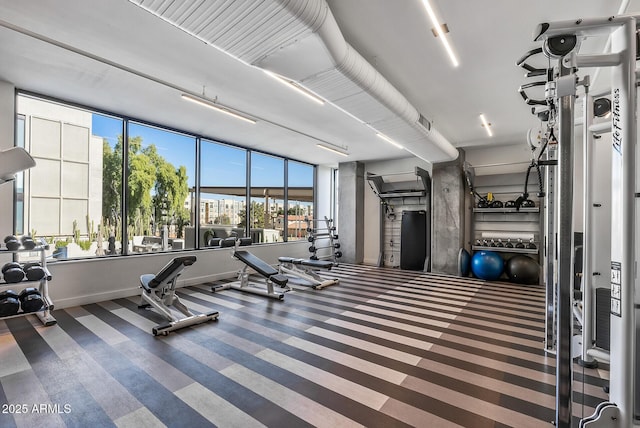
{"x": 327, "y": 233}
{"x": 44, "y": 314}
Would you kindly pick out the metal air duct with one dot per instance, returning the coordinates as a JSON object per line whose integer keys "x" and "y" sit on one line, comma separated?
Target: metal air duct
{"x": 301, "y": 40}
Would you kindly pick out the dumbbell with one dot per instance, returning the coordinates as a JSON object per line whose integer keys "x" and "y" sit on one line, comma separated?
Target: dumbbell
{"x": 12, "y": 243}
{"x": 31, "y": 299}
{"x": 33, "y": 271}
{"x": 12, "y": 272}
{"x": 9, "y": 303}
{"x": 28, "y": 243}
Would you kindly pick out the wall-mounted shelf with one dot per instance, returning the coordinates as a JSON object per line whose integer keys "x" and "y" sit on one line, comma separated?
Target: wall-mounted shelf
{"x": 505, "y": 250}
{"x": 506, "y": 224}
{"x": 506, "y": 210}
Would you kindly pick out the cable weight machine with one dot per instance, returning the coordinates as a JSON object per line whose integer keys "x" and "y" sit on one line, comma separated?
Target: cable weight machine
{"x": 560, "y": 41}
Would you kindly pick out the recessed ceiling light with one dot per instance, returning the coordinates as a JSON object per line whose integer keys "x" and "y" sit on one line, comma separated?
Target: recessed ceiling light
{"x": 439, "y": 32}
{"x": 486, "y": 125}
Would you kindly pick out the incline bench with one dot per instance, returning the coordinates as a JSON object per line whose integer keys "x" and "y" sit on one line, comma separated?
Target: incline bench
{"x": 307, "y": 270}
{"x": 158, "y": 292}
{"x": 269, "y": 273}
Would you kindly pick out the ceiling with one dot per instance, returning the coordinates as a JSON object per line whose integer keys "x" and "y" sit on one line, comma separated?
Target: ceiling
{"x": 117, "y": 57}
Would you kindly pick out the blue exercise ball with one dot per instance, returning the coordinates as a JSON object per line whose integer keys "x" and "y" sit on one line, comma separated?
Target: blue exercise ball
{"x": 487, "y": 265}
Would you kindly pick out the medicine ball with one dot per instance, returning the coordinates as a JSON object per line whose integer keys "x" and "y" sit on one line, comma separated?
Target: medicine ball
{"x": 496, "y": 204}
{"x": 10, "y": 238}
{"x": 482, "y": 203}
{"x": 487, "y": 265}
{"x": 528, "y": 203}
{"x": 31, "y": 299}
{"x": 522, "y": 270}
{"x": 510, "y": 204}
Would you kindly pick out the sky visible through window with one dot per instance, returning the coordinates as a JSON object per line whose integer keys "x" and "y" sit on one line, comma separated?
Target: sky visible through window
{"x": 218, "y": 171}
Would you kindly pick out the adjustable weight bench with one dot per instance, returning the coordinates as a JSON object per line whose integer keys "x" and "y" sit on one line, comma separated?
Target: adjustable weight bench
{"x": 270, "y": 275}
{"x": 158, "y": 292}
{"x": 307, "y": 271}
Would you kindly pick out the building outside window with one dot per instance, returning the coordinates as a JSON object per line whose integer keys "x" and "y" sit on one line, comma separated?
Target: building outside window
{"x": 83, "y": 201}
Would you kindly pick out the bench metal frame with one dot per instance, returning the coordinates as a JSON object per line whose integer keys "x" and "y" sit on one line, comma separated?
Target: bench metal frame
{"x": 158, "y": 293}
{"x": 299, "y": 269}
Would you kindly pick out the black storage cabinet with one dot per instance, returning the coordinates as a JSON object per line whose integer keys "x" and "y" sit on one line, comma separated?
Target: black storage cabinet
{"x": 413, "y": 240}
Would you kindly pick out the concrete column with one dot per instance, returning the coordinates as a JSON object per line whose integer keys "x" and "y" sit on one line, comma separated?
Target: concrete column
{"x": 351, "y": 211}
{"x": 7, "y": 140}
{"x": 448, "y": 218}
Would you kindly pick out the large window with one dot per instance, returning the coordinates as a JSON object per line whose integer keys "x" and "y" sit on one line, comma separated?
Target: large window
{"x": 267, "y": 198}
{"x": 300, "y": 202}
{"x": 161, "y": 170}
{"x": 87, "y": 199}
{"x": 223, "y": 192}
{"x": 62, "y": 197}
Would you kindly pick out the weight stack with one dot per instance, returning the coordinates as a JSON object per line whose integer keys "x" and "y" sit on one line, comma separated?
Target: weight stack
{"x": 413, "y": 240}
{"x": 603, "y": 320}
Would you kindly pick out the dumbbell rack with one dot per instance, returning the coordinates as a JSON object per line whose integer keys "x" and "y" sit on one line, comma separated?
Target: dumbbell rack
{"x": 43, "y": 314}
{"x": 327, "y": 234}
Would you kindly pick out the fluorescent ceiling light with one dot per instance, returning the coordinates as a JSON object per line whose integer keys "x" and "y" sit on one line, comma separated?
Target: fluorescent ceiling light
{"x": 486, "y": 125}
{"x": 389, "y": 140}
{"x": 218, "y": 107}
{"x": 331, "y": 149}
{"x": 296, "y": 86}
{"x": 440, "y": 33}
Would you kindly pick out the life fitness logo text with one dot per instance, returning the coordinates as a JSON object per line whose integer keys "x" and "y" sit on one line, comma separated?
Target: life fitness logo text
{"x": 617, "y": 126}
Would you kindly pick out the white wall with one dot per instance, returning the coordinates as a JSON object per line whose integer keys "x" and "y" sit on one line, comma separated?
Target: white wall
{"x": 372, "y": 202}
{"x": 517, "y": 155}
{"x": 80, "y": 282}
{"x": 323, "y": 191}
